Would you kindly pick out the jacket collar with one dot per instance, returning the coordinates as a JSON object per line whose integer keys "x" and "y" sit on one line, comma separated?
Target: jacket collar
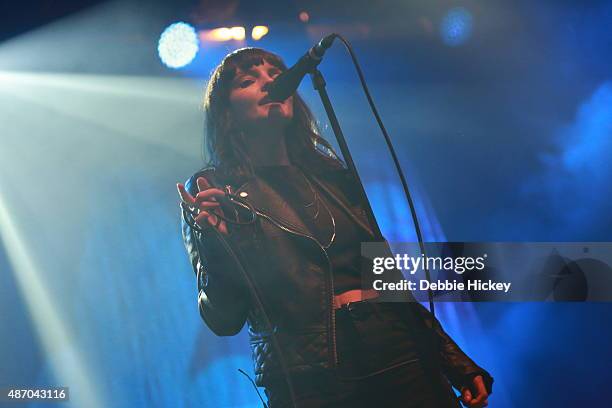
{"x": 266, "y": 199}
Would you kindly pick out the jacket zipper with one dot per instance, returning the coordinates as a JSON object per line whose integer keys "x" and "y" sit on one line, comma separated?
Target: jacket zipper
{"x": 332, "y": 314}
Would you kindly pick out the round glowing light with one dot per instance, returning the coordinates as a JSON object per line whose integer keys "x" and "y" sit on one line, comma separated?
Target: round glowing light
{"x": 178, "y": 45}
{"x": 456, "y": 27}
{"x": 304, "y": 17}
{"x": 258, "y": 32}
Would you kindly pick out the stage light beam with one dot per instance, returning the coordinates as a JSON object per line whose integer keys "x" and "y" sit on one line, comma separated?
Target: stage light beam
{"x": 55, "y": 333}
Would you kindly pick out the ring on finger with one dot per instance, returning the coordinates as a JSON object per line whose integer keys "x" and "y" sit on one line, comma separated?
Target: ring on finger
{"x": 190, "y": 209}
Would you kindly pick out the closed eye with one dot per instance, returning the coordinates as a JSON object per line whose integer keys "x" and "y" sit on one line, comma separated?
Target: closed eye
{"x": 245, "y": 83}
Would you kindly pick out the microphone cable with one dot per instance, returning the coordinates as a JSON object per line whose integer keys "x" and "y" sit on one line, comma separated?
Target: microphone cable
{"x": 433, "y": 339}
{"x": 381, "y": 125}
{"x": 247, "y": 277}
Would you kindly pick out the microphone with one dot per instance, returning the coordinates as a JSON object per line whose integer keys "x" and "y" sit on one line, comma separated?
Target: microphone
{"x": 286, "y": 83}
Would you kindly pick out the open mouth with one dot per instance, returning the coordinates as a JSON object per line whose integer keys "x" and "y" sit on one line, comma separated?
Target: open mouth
{"x": 269, "y": 103}
{"x": 266, "y": 101}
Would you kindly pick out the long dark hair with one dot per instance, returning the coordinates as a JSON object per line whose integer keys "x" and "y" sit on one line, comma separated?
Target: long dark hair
{"x": 224, "y": 146}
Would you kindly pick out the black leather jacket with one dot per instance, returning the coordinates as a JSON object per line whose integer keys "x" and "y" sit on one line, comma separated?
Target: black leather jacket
{"x": 293, "y": 275}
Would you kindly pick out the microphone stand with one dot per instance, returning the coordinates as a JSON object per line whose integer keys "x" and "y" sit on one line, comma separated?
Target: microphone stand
{"x": 424, "y": 341}
{"x": 319, "y": 84}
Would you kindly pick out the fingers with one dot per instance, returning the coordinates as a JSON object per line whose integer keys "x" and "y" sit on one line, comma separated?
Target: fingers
{"x": 223, "y": 227}
{"x": 202, "y": 217}
{"x": 203, "y": 200}
{"x": 481, "y": 389}
{"x": 208, "y": 195}
{"x": 482, "y": 395}
{"x": 200, "y": 200}
{"x": 466, "y": 395}
{"x": 480, "y": 400}
{"x": 206, "y": 217}
{"x": 205, "y": 187}
{"x": 209, "y": 204}
{"x": 206, "y": 192}
{"x": 184, "y": 194}
{"x": 203, "y": 184}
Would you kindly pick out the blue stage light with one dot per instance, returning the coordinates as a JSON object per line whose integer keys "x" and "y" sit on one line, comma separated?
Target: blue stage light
{"x": 178, "y": 45}
{"x": 456, "y": 26}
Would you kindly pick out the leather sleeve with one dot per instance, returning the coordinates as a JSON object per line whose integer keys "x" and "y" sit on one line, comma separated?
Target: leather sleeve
{"x": 223, "y": 300}
{"x": 455, "y": 364}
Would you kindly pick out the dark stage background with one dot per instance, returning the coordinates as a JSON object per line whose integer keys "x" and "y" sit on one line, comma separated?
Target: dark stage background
{"x": 501, "y": 113}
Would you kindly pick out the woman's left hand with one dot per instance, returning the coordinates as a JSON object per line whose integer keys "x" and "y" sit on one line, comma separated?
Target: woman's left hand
{"x": 478, "y": 387}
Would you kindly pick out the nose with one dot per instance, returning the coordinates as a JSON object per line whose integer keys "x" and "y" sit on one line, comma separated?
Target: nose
{"x": 266, "y": 85}
{"x": 267, "y": 79}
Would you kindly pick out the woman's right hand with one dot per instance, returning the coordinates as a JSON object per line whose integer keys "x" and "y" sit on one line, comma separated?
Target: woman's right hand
{"x": 203, "y": 201}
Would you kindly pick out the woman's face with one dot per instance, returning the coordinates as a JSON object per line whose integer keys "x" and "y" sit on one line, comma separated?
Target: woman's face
{"x": 246, "y": 98}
